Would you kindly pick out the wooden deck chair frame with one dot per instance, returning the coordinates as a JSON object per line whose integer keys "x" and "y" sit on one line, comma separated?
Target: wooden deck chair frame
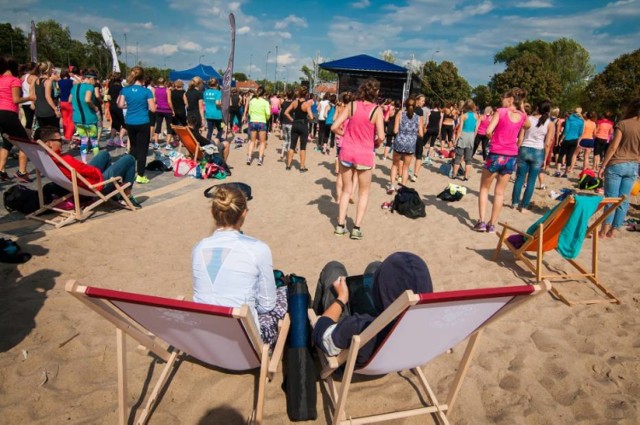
{"x": 395, "y": 312}
{"x": 79, "y": 213}
{"x": 188, "y": 141}
{"x": 535, "y": 244}
{"x": 106, "y": 304}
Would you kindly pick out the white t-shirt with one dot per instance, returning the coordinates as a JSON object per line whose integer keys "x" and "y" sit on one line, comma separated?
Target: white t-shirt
{"x": 535, "y": 136}
{"x": 323, "y": 109}
{"x": 231, "y": 269}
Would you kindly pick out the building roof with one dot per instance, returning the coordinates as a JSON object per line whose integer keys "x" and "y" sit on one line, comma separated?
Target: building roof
{"x": 326, "y": 88}
{"x": 247, "y": 85}
{"x": 363, "y": 63}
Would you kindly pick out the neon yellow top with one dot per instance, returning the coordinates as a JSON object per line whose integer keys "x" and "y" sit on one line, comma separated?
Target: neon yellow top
{"x": 259, "y": 110}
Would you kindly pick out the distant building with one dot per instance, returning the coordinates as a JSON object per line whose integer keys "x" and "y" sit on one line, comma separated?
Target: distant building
{"x": 324, "y": 88}
{"x": 245, "y": 86}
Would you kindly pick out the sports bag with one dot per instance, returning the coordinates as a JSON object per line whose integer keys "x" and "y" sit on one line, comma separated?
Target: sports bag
{"x": 22, "y": 199}
{"x": 408, "y": 203}
{"x": 185, "y": 167}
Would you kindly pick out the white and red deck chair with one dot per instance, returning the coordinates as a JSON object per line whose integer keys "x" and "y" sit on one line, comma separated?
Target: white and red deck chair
{"x": 173, "y": 329}
{"x": 42, "y": 156}
{"x": 427, "y": 325}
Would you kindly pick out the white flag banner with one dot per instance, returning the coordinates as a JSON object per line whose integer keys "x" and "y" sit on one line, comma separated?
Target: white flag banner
{"x": 108, "y": 40}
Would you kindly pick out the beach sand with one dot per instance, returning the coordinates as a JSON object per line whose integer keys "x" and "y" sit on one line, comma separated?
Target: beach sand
{"x": 546, "y": 364}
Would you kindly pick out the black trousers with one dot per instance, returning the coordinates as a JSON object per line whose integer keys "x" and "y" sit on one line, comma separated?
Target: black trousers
{"x": 139, "y": 140}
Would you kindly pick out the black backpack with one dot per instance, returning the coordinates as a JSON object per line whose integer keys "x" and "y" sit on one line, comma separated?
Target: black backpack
{"x": 22, "y": 199}
{"x": 408, "y": 203}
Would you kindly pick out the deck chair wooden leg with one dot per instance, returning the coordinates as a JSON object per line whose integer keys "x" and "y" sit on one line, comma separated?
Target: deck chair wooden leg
{"x": 431, "y": 396}
{"x": 503, "y": 235}
{"x": 162, "y": 380}
{"x": 276, "y": 356}
{"x": 540, "y": 254}
{"x": 339, "y": 413}
{"x": 462, "y": 370}
{"x": 122, "y": 376}
{"x": 261, "y": 384}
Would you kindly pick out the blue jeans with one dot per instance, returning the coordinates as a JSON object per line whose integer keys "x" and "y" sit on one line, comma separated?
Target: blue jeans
{"x": 530, "y": 162}
{"x": 124, "y": 167}
{"x": 618, "y": 181}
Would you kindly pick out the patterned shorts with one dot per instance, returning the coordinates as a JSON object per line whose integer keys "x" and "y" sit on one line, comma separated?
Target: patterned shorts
{"x": 501, "y": 164}
{"x": 269, "y": 321}
{"x": 257, "y": 126}
{"x": 87, "y": 130}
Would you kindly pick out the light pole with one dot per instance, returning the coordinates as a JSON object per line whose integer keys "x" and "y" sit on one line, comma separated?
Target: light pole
{"x": 126, "y": 51}
{"x": 250, "y": 64}
{"x": 275, "y": 73}
{"x": 266, "y": 66}
{"x": 200, "y": 59}
{"x": 434, "y": 53}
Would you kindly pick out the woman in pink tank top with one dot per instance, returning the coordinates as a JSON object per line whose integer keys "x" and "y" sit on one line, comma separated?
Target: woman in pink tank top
{"x": 503, "y": 131}
{"x": 357, "y": 151}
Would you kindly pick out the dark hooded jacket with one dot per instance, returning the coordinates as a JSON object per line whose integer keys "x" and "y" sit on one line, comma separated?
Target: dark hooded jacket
{"x": 399, "y": 272}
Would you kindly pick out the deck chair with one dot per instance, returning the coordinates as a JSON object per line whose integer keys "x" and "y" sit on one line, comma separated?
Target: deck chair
{"x": 188, "y": 141}
{"x": 545, "y": 239}
{"x": 175, "y": 329}
{"x": 42, "y": 156}
{"x": 426, "y": 326}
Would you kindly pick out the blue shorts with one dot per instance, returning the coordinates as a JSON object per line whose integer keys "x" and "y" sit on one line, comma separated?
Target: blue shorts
{"x": 257, "y": 126}
{"x": 501, "y": 164}
{"x": 587, "y": 143}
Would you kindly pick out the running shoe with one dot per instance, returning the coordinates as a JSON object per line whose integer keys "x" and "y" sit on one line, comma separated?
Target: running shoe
{"x": 413, "y": 178}
{"x": 134, "y": 201}
{"x": 142, "y": 180}
{"x": 96, "y": 150}
{"x": 23, "y": 177}
{"x": 356, "y": 234}
{"x": 111, "y": 144}
{"x": 390, "y": 189}
{"x": 427, "y": 161}
{"x": 249, "y": 161}
{"x": 491, "y": 228}
{"x": 260, "y": 161}
{"x": 4, "y": 176}
{"x": 556, "y": 174}
{"x": 340, "y": 231}
{"x": 480, "y": 226}
{"x": 304, "y": 170}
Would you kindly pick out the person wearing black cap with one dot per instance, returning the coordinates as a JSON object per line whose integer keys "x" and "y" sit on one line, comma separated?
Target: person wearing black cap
{"x": 399, "y": 272}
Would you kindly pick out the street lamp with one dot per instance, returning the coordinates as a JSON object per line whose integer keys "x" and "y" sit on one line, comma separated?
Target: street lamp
{"x": 250, "y": 64}
{"x": 200, "y": 59}
{"x": 433, "y": 54}
{"x": 266, "y": 66}
{"x": 275, "y": 73}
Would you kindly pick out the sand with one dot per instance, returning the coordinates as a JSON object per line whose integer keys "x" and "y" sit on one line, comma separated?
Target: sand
{"x": 547, "y": 364}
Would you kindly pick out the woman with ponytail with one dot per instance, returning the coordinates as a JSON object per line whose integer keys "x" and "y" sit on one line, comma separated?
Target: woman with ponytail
{"x": 503, "y": 131}
{"x": 139, "y": 102}
{"x": 535, "y": 146}
{"x": 408, "y": 127}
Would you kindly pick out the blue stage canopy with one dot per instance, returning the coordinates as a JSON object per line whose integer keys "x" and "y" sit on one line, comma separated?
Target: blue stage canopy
{"x": 205, "y": 72}
{"x": 364, "y": 63}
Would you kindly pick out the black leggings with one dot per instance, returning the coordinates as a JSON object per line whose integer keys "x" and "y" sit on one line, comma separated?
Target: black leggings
{"x": 299, "y": 130}
{"x": 166, "y": 116}
{"x": 447, "y": 133}
{"x": 484, "y": 140}
{"x": 235, "y": 113}
{"x": 419, "y": 147}
{"x": 10, "y": 124}
{"x": 48, "y": 121}
{"x": 567, "y": 149}
{"x": 321, "y": 132}
{"x": 431, "y": 137}
{"x": 29, "y": 115}
{"x": 139, "y": 140}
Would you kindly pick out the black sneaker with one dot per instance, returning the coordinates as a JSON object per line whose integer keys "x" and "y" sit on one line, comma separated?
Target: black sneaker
{"x": 4, "y": 177}
{"x": 23, "y": 177}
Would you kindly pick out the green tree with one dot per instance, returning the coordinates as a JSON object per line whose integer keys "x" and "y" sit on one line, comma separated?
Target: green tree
{"x": 483, "y": 96}
{"x": 442, "y": 82}
{"x": 616, "y": 85}
{"x": 565, "y": 58}
{"x": 528, "y": 72}
{"x": 55, "y": 43}
{"x": 13, "y": 42}
{"x": 388, "y": 56}
{"x": 324, "y": 76}
{"x": 240, "y": 76}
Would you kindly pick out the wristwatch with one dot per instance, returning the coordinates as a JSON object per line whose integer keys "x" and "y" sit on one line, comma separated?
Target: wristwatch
{"x": 341, "y": 304}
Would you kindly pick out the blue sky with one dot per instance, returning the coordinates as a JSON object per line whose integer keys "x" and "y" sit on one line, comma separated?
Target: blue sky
{"x": 178, "y": 32}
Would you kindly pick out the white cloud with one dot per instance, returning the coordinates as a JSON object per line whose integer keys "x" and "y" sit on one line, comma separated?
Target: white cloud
{"x": 190, "y": 46}
{"x": 361, "y": 4}
{"x": 144, "y": 25}
{"x": 163, "y": 50}
{"x": 243, "y": 30}
{"x": 535, "y": 4}
{"x": 286, "y": 59}
{"x": 272, "y": 34}
{"x": 291, "y": 20}
{"x": 213, "y": 50}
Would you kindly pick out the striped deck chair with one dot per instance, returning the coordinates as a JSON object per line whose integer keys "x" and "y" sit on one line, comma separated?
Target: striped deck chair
{"x": 42, "y": 157}
{"x": 173, "y": 329}
{"x": 545, "y": 239}
{"x": 424, "y": 327}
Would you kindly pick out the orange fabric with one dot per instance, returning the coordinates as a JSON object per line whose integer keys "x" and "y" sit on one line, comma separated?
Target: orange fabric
{"x": 589, "y": 128}
{"x": 188, "y": 140}
{"x": 604, "y": 129}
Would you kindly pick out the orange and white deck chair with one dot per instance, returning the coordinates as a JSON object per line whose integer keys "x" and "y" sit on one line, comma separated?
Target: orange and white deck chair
{"x": 42, "y": 156}
{"x": 426, "y": 326}
{"x": 173, "y": 329}
{"x": 545, "y": 238}
{"x": 188, "y": 141}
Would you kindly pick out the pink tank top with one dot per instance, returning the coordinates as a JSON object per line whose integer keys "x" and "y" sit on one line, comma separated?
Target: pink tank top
{"x": 505, "y": 136}
{"x": 358, "y": 140}
{"x": 484, "y": 124}
{"x": 162, "y": 101}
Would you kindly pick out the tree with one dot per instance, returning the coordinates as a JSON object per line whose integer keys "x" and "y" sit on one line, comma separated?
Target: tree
{"x": 13, "y": 42}
{"x": 442, "y": 82}
{"x": 616, "y": 85}
{"x": 388, "y": 56}
{"x": 528, "y": 72}
{"x": 55, "y": 44}
{"x": 483, "y": 96}
{"x": 323, "y": 75}
{"x": 240, "y": 76}
{"x": 564, "y": 58}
